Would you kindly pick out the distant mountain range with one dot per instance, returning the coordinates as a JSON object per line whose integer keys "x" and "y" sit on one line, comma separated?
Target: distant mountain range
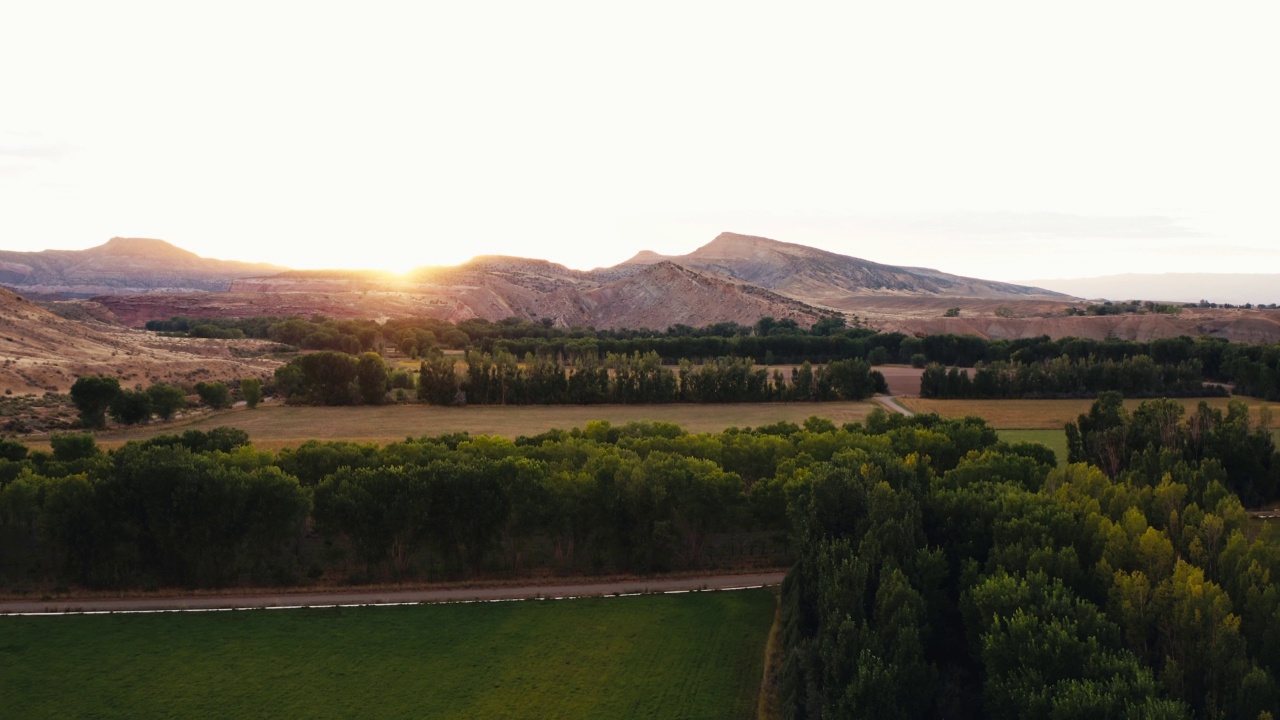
{"x": 734, "y": 278}
{"x": 737, "y": 278}
{"x": 1233, "y": 288}
{"x": 119, "y": 266}
{"x": 829, "y": 278}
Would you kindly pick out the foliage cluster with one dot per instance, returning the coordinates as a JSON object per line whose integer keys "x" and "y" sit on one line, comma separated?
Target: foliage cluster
{"x": 333, "y": 378}
{"x": 1110, "y": 438}
{"x": 636, "y": 498}
{"x": 1129, "y": 307}
{"x": 97, "y": 395}
{"x": 1255, "y": 368}
{"x": 1064, "y": 377}
{"x": 998, "y": 586}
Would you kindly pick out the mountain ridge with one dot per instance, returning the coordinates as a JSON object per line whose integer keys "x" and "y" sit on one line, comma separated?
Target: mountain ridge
{"x": 734, "y": 277}
{"x": 121, "y": 265}
{"x": 827, "y": 278}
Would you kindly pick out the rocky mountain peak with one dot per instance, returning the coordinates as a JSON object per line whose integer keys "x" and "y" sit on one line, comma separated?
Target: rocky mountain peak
{"x": 142, "y": 247}
{"x": 646, "y": 257}
{"x": 730, "y": 245}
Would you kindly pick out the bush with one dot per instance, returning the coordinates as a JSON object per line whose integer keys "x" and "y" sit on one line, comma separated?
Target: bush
{"x": 251, "y": 389}
{"x": 12, "y": 450}
{"x": 166, "y": 400}
{"x": 131, "y": 407}
{"x": 214, "y": 394}
{"x": 73, "y": 446}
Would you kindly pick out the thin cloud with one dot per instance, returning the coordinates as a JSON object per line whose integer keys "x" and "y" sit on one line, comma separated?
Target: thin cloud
{"x": 1032, "y": 225}
{"x": 33, "y": 151}
{"x": 1225, "y": 250}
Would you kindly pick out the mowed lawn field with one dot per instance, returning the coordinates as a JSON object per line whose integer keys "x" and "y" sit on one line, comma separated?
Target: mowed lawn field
{"x": 694, "y": 655}
{"x": 275, "y": 426}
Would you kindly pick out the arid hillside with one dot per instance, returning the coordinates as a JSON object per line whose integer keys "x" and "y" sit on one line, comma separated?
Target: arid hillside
{"x": 121, "y": 265}
{"x": 826, "y": 278}
{"x": 734, "y": 278}
{"x": 488, "y": 287}
{"x": 44, "y": 352}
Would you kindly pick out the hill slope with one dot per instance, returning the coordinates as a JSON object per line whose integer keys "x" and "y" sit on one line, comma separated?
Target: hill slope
{"x": 42, "y": 352}
{"x": 826, "y": 278}
{"x": 121, "y": 265}
{"x": 492, "y": 288}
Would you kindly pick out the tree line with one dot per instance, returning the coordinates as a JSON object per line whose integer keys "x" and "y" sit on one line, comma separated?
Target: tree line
{"x": 1064, "y": 377}
{"x": 1253, "y": 367}
{"x": 209, "y": 510}
{"x": 334, "y": 378}
{"x": 96, "y": 396}
{"x": 997, "y": 586}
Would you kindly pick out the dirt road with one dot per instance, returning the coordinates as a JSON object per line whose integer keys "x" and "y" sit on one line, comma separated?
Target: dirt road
{"x": 386, "y": 597}
{"x": 892, "y": 405}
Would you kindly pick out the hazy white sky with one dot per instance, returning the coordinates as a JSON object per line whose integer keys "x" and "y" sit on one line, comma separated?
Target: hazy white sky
{"x": 1004, "y": 140}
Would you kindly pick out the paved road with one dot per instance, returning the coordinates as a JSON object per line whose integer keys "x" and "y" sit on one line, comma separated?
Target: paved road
{"x": 387, "y": 597}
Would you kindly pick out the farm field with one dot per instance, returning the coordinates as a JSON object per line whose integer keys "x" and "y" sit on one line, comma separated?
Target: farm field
{"x": 275, "y": 426}
{"x": 654, "y": 656}
{"x": 1048, "y": 414}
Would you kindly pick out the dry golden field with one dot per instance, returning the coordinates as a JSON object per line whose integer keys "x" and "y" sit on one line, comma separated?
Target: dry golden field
{"x": 275, "y": 426}
{"x": 1047, "y": 414}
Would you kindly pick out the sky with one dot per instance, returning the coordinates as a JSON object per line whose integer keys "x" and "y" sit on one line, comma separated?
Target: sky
{"x": 1007, "y": 141}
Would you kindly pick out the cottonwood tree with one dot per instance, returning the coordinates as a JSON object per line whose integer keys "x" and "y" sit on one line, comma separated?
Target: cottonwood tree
{"x": 214, "y": 394}
{"x": 166, "y": 400}
{"x": 92, "y": 396}
{"x": 251, "y": 389}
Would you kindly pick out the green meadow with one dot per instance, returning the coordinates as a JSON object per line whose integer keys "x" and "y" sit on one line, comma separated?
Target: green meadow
{"x": 693, "y": 655}
{"x": 1056, "y": 440}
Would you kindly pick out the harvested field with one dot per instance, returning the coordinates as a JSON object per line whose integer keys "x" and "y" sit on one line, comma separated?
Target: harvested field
{"x": 691, "y": 655}
{"x": 1047, "y": 414}
{"x": 275, "y": 426}
{"x": 903, "y": 381}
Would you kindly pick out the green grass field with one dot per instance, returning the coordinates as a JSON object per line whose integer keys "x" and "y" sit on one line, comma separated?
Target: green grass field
{"x": 276, "y": 426}
{"x": 1055, "y": 439}
{"x": 696, "y": 655}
